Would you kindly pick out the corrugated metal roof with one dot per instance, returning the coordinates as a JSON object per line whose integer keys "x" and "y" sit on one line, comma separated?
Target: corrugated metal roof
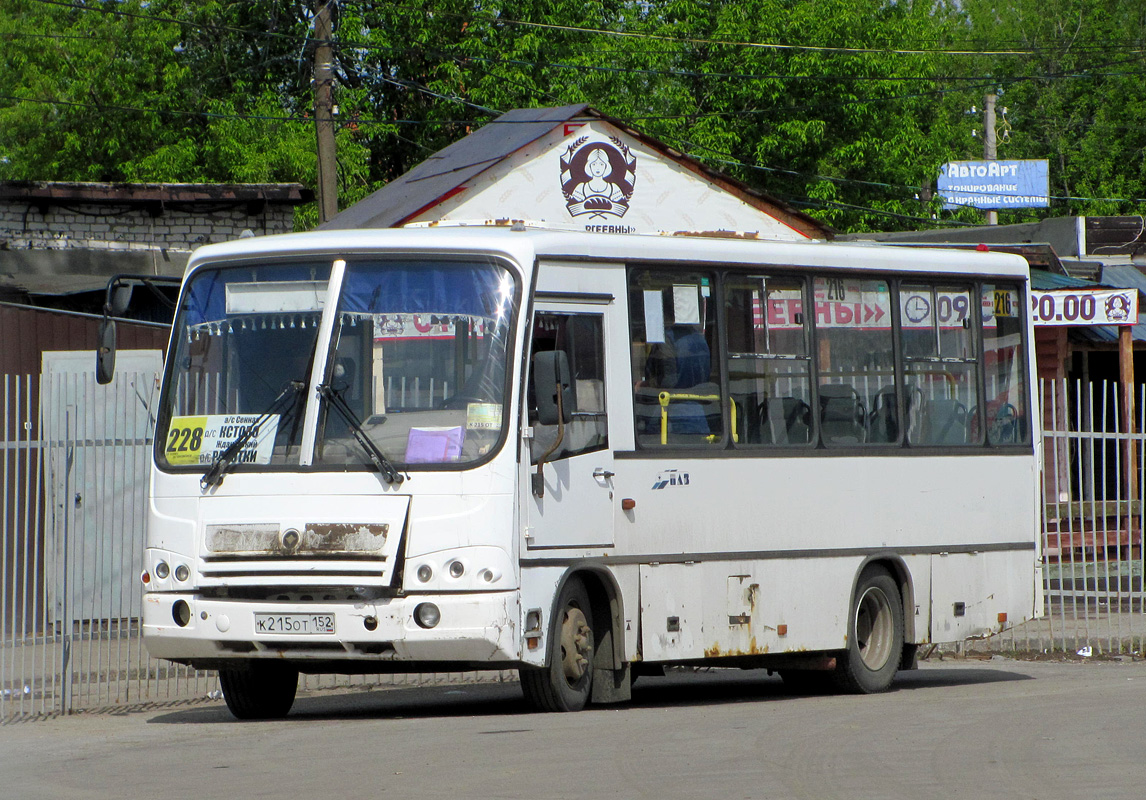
{"x": 1119, "y": 277}
{"x": 1124, "y": 276}
{"x": 54, "y": 284}
{"x": 450, "y": 167}
{"x": 57, "y": 192}
{"x": 1044, "y": 281}
{"x": 27, "y": 331}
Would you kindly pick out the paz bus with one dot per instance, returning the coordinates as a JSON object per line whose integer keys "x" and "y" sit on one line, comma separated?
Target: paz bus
{"x": 587, "y": 457}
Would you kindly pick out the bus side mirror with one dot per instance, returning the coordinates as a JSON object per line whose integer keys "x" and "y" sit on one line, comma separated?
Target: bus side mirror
{"x": 552, "y": 387}
{"x": 120, "y": 299}
{"x": 105, "y": 352}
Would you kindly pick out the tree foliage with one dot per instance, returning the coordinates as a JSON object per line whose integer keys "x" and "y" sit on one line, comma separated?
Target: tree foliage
{"x": 846, "y": 108}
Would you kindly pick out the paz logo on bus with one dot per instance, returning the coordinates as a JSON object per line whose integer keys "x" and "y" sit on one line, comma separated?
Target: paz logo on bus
{"x": 670, "y": 477}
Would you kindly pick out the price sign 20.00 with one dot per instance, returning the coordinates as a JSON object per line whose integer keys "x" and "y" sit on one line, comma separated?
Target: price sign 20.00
{"x": 1085, "y": 307}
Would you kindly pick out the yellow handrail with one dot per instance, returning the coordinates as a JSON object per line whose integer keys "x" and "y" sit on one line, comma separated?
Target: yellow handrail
{"x": 666, "y": 397}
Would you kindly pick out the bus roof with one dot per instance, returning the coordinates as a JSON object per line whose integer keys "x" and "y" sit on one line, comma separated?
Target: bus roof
{"x": 526, "y": 244}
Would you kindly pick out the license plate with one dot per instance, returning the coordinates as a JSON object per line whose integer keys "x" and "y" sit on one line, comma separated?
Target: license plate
{"x": 294, "y": 623}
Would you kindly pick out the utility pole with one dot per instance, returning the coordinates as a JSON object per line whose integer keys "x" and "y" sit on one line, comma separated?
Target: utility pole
{"x": 324, "y": 115}
{"x": 989, "y": 149}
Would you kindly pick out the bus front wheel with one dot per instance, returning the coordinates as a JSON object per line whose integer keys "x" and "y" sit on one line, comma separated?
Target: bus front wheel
{"x": 875, "y": 635}
{"x": 261, "y": 691}
{"x": 565, "y": 684}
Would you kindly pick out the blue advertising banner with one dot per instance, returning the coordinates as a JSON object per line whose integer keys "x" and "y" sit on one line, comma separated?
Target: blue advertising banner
{"x": 995, "y": 184}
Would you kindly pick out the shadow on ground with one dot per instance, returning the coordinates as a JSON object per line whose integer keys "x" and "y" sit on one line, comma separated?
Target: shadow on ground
{"x": 711, "y": 687}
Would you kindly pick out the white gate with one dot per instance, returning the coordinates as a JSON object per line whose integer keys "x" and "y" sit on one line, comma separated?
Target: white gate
{"x": 1092, "y": 522}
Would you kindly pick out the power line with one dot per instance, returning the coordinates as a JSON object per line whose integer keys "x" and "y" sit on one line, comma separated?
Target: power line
{"x": 826, "y": 204}
{"x": 747, "y": 44}
{"x": 407, "y": 84}
{"x": 729, "y": 160}
{"x": 1106, "y": 46}
{"x": 685, "y": 145}
{"x": 209, "y": 27}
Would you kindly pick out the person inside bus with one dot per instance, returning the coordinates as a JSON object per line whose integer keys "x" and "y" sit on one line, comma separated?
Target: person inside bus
{"x": 682, "y": 364}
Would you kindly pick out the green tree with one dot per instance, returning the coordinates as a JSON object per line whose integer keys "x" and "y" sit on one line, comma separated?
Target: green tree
{"x": 844, "y": 107}
{"x": 1073, "y": 96}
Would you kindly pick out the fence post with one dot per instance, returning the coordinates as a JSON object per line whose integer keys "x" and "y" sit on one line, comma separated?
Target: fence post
{"x": 1126, "y": 376}
{"x": 67, "y": 628}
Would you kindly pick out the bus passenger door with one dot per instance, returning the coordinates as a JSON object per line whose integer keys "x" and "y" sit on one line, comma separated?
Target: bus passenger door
{"x": 571, "y": 504}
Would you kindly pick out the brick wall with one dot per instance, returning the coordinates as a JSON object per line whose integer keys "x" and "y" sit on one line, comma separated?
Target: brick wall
{"x": 104, "y": 227}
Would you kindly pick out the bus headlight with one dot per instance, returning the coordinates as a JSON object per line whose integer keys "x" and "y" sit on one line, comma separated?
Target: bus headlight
{"x": 427, "y": 615}
{"x": 463, "y": 569}
{"x": 182, "y": 573}
{"x": 162, "y": 570}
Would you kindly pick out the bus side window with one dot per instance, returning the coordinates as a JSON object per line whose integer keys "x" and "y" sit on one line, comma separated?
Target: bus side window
{"x": 676, "y": 383}
{"x": 582, "y": 338}
{"x": 856, "y": 360}
{"x": 1004, "y": 371}
{"x": 769, "y": 364}
{"x": 941, "y": 364}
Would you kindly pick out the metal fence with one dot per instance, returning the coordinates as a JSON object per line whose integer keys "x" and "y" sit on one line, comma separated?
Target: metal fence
{"x": 73, "y": 475}
{"x": 74, "y": 461}
{"x": 1092, "y": 557}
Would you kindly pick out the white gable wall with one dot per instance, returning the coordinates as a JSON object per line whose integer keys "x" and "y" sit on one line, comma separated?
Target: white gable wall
{"x": 664, "y": 197}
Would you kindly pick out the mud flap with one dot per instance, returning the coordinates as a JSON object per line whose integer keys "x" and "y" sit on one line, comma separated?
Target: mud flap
{"x": 612, "y": 685}
{"x": 910, "y": 657}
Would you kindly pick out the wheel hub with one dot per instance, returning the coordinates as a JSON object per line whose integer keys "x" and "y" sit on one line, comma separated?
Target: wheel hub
{"x": 874, "y": 628}
{"x": 576, "y": 644}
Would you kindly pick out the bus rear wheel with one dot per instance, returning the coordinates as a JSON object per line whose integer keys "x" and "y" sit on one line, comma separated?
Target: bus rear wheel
{"x": 261, "y": 691}
{"x": 565, "y": 684}
{"x": 875, "y": 635}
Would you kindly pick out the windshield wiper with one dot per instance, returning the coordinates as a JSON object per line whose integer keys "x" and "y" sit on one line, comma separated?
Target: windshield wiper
{"x": 222, "y": 464}
{"x": 385, "y": 467}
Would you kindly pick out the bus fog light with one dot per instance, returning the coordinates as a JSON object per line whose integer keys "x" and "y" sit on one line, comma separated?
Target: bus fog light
{"x": 427, "y": 615}
{"x": 457, "y": 569}
{"x": 182, "y": 573}
{"x": 425, "y": 573}
{"x": 181, "y": 613}
{"x": 162, "y": 570}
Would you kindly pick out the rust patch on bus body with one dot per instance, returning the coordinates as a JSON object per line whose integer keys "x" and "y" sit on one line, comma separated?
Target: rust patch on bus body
{"x": 753, "y": 650}
{"x": 344, "y": 537}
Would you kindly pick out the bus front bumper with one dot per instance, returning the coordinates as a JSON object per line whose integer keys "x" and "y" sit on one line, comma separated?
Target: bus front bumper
{"x": 477, "y": 627}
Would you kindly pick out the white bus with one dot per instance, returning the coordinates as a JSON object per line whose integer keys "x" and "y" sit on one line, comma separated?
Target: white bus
{"x": 587, "y": 457}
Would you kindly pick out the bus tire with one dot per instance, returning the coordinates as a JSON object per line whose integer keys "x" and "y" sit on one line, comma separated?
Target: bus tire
{"x": 566, "y": 683}
{"x": 262, "y": 691}
{"x": 875, "y": 635}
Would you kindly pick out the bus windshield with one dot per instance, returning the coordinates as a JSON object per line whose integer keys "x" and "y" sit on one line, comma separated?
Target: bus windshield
{"x": 418, "y": 353}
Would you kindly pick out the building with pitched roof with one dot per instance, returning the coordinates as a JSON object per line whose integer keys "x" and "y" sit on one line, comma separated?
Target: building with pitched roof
{"x": 574, "y": 167}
